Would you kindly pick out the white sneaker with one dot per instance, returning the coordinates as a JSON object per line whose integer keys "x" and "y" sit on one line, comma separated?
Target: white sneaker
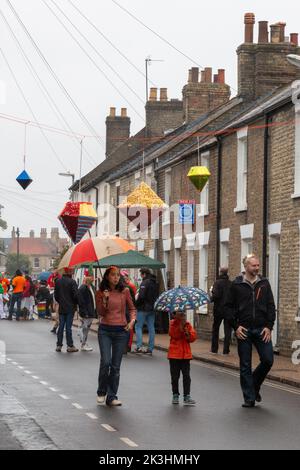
{"x": 115, "y": 402}
{"x": 86, "y": 347}
{"x": 101, "y": 399}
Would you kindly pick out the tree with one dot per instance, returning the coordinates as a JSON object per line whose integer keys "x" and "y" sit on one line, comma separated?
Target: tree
{"x": 3, "y": 224}
{"x": 12, "y": 265}
{"x": 59, "y": 257}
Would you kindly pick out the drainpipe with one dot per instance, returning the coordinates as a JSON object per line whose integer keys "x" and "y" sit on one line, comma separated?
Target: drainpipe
{"x": 218, "y": 208}
{"x": 265, "y": 195}
{"x": 97, "y": 204}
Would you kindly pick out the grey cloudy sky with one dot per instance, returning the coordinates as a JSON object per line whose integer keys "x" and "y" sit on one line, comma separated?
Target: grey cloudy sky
{"x": 207, "y": 32}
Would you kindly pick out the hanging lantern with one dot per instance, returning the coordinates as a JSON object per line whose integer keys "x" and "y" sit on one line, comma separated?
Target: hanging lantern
{"x": 77, "y": 218}
{"x": 199, "y": 175}
{"x": 142, "y": 207}
{"x": 24, "y": 179}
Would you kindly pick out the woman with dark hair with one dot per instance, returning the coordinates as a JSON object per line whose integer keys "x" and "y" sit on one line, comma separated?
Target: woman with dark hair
{"x": 112, "y": 300}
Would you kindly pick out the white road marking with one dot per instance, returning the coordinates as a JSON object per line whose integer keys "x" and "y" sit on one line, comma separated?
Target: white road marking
{"x": 43, "y": 382}
{"x": 108, "y": 427}
{"x": 20, "y": 367}
{"x": 64, "y": 397}
{"x": 27, "y": 372}
{"x": 53, "y": 389}
{"x": 8, "y": 359}
{"x": 128, "y": 442}
{"x": 91, "y": 415}
{"x": 35, "y": 377}
{"x": 76, "y": 405}
{"x": 14, "y": 363}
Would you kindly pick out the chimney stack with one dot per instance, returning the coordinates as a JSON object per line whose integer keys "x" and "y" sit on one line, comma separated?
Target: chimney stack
{"x": 117, "y": 130}
{"x": 249, "y": 20}
{"x": 31, "y": 234}
{"x": 163, "y": 96}
{"x": 153, "y": 94}
{"x": 263, "y": 35}
{"x": 294, "y": 38}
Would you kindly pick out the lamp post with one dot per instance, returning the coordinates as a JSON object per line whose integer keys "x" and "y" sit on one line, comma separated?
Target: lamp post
{"x": 68, "y": 173}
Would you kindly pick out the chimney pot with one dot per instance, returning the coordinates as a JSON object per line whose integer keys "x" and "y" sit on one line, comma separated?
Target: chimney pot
{"x": 195, "y": 74}
{"x": 208, "y": 74}
{"x": 216, "y": 78}
{"x": 202, "y": 76}
{"x": 163, "y": 94}
{"x": 190, "y": 76}
{"x": 123, "y": 112}
{"x": 294, "y": 38}
{"x": 31, "y": 233}
{"x": 263, "y": 35}
{"x": 282, "y": 26}
{"x": 276, "y": 31}
{"x": 221, "y": 76}
{"x": 153, "y": 94}
{"x": 112, "y": 112}
{"x": 249, "y": 20}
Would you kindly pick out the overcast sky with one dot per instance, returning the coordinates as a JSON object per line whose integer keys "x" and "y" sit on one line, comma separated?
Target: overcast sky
{"x": 207, "y": 32}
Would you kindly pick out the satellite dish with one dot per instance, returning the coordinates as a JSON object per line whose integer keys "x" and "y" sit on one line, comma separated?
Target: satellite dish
{"x": 294, "y": 59}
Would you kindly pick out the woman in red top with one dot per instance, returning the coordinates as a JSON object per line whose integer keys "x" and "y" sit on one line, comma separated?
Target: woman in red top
{"x": 181, "y": 335}
{"x": 112, "y": 300}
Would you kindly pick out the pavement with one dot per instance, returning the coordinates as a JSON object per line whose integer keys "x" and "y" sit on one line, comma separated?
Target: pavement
{"x": 283, "y": 370}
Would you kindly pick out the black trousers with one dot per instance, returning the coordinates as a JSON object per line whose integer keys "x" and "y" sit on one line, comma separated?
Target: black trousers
{"x": 177, "y": 366}
{"x": 215, "y": 335}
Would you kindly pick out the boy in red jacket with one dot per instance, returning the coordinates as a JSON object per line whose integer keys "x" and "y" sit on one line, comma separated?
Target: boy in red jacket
{"x": 182, "y": 334}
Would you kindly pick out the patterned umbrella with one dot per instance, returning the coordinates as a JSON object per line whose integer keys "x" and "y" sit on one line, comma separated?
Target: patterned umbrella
{"x": 77, "y": 218}
{"x": 181, "y": 299}
{"x": 93, "y": 249}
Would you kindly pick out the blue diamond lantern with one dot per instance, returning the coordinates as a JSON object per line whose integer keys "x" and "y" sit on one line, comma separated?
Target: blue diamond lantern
{"x": 24, "y": 179}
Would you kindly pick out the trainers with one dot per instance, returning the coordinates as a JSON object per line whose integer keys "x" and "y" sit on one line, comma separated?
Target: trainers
{"x": 101, "y": 399}
{"x": 138, "y": 351}
{"x": 148, "y": 352}
{"x": 114, "y": 402}
{"x": 188, "y": 401}
{"x": 248, "y": 404}
{"x": 58, "y": 349}
{"x": 72, "y": 349}
{"x": 175, "y": 399}
{"x": 86, "y": 347}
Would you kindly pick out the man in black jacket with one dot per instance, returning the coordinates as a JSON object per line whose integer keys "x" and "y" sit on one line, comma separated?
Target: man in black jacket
{"x": 250, "y": 310}
{"x": 147, "y": 296}
{"x": 87, "y": 310}
{"x": 219, "y": 293}
{"x": 66, "y": 295}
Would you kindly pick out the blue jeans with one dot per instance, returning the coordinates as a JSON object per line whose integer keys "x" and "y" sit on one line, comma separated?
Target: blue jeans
{"x": 111, "y": 344}
{"x": 65, "y": 320}
{"x": 141, "y": 318}
{"x": 15, "y": 298}
{"x": 252, "y": 381}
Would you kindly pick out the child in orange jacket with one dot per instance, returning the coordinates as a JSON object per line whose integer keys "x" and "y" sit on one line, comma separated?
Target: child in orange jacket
{"x": 181, "y": 335}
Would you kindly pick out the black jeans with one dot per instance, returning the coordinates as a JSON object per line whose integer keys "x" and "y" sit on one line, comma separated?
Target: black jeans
{"x": 215, "y": 335}
{"x": 177, "y": 366}
{"x": 251, "y": 381}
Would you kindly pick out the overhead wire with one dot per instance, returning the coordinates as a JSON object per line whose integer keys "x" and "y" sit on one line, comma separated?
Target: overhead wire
{"x": 54, "y": 75}
{"x": 91, "y": 58}
{"x": 97, "y": 29}
{"x": 41, "y": 85}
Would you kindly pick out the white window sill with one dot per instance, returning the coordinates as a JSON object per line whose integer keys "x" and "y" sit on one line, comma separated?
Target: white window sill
{"x": 295, "y": 195}
{"x": 297, "y": 319}
{"x": 240, "y": 209}
{"x": 166, "y": 222}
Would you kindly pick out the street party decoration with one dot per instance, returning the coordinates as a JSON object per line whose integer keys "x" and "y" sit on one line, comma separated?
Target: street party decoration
{"x": 91, "y": 250}
{"x": 24, "y": 179}
{"x": 77, "y": 218}
{"x": 199, "y": 175}
{"x": 142, "y": 206}
{"x": 180, "y": 299}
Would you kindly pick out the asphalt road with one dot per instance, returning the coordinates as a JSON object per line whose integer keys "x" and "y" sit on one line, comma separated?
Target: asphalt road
{"x": 48, "y": 401}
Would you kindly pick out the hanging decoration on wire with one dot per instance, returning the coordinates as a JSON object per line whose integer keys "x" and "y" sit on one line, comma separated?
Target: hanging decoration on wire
{"x": 77, "y": 218}
{"x": 142, "y": 207}
{"x": 198, "y": 175}
{"x": 24, "y": 179}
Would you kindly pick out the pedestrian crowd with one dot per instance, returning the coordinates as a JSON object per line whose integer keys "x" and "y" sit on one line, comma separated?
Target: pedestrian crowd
{"x": 244, "y": 305}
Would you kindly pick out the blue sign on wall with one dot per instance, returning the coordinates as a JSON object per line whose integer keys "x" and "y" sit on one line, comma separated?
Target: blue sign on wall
{"x": 186, "y": 212}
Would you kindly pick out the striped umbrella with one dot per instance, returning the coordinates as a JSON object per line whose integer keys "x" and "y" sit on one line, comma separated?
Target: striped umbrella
{"x": 77, "y": 218}
{"x": 93, "y": 249}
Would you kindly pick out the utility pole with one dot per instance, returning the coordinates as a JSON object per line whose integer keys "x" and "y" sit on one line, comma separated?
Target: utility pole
{"x": 18, "y": 246}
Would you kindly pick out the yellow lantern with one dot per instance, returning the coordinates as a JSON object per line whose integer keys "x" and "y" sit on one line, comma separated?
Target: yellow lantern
{"x": 199, "y": 175}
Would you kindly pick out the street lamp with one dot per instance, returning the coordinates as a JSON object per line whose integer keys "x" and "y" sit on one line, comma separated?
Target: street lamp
{"x": 68, "y": 174}
{"x": 294, "y": 59}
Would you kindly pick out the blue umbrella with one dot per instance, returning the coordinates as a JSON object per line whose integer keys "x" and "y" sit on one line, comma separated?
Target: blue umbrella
{"x": 44, "y": 276}
{"x": 181, "y": 299}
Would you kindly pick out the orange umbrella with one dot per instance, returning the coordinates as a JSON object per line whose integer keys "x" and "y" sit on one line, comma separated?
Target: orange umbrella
{"x": 93, "y": 249}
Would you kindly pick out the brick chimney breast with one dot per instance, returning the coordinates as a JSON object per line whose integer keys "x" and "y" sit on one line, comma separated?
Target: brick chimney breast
{"x": 117, "y": 130}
